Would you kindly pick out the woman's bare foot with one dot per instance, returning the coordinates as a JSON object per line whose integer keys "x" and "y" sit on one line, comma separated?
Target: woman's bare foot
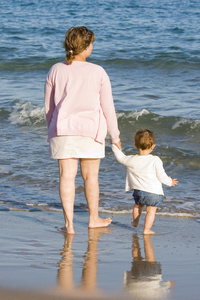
{"x": 99, "y": 223}
{"x": 148, "y": 231}
{"x": 67, "y": 230}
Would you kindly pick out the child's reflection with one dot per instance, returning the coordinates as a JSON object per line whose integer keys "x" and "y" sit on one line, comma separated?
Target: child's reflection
{"x": 89, "y": 271}
{"x": 144, "y": 281}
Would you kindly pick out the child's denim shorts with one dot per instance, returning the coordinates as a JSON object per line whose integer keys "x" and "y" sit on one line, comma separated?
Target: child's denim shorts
{"x": 146, "y": 198}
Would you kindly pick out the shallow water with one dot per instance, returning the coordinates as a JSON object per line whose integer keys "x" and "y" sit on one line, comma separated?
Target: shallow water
{"x": 112, "y": 261}
{"x": 150, "y": 51}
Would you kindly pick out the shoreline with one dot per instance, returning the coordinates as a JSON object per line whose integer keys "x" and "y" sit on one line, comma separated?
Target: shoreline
{"x": 36, "y": 258}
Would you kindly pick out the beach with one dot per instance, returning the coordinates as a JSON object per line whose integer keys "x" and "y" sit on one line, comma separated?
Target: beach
{"x": 98, "y": 263}
{"x": 150, "y": 51}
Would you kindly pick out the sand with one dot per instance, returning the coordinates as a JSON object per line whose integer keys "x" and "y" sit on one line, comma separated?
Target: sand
{"x": 111, "y": 263}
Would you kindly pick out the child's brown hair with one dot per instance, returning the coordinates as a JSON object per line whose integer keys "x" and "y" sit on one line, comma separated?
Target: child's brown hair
{"x": 77, "y": 39}
{"x": 144, "y": 139}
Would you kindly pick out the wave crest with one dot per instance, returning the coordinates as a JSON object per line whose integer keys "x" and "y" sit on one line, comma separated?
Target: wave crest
{"x": 26, "y": 113}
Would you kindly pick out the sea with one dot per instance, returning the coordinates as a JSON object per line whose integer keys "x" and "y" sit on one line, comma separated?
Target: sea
{"x": 151, "y": 52}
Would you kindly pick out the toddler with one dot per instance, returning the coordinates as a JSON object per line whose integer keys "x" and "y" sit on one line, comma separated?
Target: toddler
{"x": 145, "y": 175}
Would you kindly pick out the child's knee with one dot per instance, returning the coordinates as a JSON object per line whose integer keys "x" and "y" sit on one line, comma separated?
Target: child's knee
{"x": 151, "y": 209}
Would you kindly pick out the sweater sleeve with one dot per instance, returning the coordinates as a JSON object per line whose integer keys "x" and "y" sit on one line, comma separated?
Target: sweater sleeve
{"x": 108, "y": 108}
{"x": 161, "y": 174}
{"x": 49, "y": 99}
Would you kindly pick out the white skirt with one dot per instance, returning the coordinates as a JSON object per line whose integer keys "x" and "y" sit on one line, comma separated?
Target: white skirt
{"x": 62, "y": 147}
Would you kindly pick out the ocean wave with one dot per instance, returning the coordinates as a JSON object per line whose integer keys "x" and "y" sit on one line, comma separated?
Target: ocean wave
{"x": 50, "y": 208}
{"x": 28, "y": 63}
{"x": 163, "y": 214}
{"x": 172, "y": 207}
{"x": 26, "y": 113}
{"x": 132, "y": 114}
{"x": 157, "y": 123}
{"x": 184, "y": 123}
{"x": 160, "y": 61}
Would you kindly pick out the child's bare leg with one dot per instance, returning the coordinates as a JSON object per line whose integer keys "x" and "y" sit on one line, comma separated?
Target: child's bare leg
{"x": 137, "y": 210}
{"x": 136, "y": 252}
{"x": 68, "y": 170}
{"x": 148, "y": 249}
{"x": 150, "y": 217}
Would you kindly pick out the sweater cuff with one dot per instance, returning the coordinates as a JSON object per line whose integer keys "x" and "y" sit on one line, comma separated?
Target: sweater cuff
{"x": 115, "y": 140}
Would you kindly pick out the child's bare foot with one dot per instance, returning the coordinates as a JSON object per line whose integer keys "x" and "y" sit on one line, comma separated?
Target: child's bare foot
{"x": 99, "y": 223}
{"x": 67, "y": 230}
{"x": 134, "y": 223}
{"x": 148, "y": 231}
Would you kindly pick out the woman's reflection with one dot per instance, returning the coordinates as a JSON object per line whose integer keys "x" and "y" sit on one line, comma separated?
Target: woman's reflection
{"x": 144, "y": 281}
{"x": 89, "y": 271}
{"x": 65, "y": 271}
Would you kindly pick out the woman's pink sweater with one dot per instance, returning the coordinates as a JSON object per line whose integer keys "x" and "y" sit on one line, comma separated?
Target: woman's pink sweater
{"x": 78, "y": 101}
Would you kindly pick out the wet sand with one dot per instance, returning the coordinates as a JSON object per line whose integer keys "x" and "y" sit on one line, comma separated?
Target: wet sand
{"x": 116, "y": 262}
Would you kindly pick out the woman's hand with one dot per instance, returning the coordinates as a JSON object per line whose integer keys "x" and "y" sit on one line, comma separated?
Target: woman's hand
{"x": 119, "y": 145}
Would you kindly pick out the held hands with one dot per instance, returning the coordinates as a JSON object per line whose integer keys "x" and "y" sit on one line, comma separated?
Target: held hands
{"x": 174, "y": 182}
{"x": 118, "y": 145}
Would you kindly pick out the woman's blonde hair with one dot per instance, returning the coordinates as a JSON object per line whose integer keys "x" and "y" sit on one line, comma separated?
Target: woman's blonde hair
{"x": 77, "y": 39}
{"x": 144, "y": 139}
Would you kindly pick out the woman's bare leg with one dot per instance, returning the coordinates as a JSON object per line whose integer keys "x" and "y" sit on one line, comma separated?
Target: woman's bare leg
{"x": 68, "y": 170}
{"x": 150, "y": 216}
{"x": 65, "y": 271}
{"x": 89, "y": 271}
{"x": 90, "y": 171}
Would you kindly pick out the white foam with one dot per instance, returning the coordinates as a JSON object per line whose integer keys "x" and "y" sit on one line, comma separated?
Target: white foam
{"x": 133, "y": 114}
{"x": 27, "y": 113}
{"x": 5, "y": 169}
{"x": 176, "y": 215}
{"x": 164, "y": 214}
{"x": 193, "y": 123}
{"x": 115, "y": 212}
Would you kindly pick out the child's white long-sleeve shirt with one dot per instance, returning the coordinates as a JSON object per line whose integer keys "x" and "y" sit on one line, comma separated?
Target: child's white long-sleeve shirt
{"x": 145, "y": 173}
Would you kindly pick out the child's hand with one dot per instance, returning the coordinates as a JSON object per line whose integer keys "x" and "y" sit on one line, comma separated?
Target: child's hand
{"x": 118, "y": 145}
{"x": 174, "y": 182}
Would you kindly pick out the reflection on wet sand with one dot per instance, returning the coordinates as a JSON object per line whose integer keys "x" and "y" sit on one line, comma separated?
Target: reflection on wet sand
{"x": 65, "y": 271}
{"x": 144, "y": 281}
{"x": 89, "y": 270}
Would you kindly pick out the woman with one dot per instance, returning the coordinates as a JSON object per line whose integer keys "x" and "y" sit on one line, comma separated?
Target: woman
{"x": 79, "y": 111}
